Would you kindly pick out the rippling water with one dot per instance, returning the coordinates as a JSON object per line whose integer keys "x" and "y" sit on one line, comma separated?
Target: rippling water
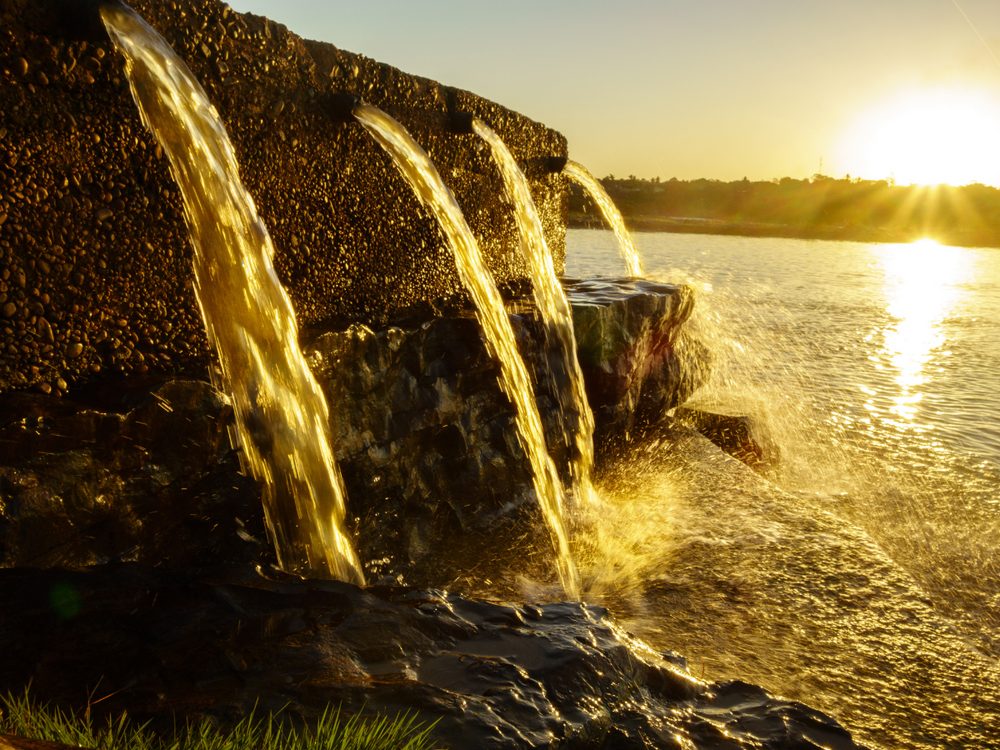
{"x": 860, "y": 574}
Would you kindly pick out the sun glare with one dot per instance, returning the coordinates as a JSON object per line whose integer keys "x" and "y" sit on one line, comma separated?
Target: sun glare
{"x": 929, "y": 137}
{"x": 924, "y": 281}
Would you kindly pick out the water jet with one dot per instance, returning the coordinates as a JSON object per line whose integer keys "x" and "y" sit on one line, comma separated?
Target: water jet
{"x": 413, "y": 163}
{"x": 340, "y": 107}
{"x": 579, "y": 174}
{"x": 281, "y": 415}
{"x": 461, "y": 123}
{"x": 555, "y": 312}
{"x": 74, "y": 20}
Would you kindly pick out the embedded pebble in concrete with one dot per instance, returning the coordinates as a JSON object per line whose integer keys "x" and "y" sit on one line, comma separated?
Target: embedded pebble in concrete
{"x": 79, "y": 172}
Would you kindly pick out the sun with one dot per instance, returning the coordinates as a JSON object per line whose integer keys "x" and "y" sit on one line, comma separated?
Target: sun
{"x": 928, "y": 137}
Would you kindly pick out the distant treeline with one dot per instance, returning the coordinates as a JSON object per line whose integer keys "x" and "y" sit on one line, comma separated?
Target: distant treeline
{"x": 818, "y": 207}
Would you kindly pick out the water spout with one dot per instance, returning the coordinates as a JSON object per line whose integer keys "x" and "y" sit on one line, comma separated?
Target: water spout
{"x": 281, "y": 414}
{"x": 557, "y": 317}
{"x": 73, "y": 20}
{"x": 579, "y": 174}
{"x": 413, "y": 162}
{"x": 461, "y": 123}
{"x": 555, "y": 163}
{"x": 340, "y": 107}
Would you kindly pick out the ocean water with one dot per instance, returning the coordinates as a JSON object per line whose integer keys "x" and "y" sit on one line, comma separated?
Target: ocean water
{"x": 860, "y": 572}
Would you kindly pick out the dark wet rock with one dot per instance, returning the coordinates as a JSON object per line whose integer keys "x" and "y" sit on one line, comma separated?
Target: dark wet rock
{"x": 637, "y": 360}
{"x": 143, "y": 473}
{"x": 438, "y": 485}
{"x": 740, "y": 436}
{"x": 168, "y": 646}
{"x": 427, "y": 442}
{"x": 424, "y": 436}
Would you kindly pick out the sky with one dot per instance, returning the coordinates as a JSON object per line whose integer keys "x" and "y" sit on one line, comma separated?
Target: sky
{"x": 720, "y": 89}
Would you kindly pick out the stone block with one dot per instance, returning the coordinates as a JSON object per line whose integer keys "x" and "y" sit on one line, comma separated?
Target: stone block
{"x": 740, "y": 436}
{"x": 637, "y": 361}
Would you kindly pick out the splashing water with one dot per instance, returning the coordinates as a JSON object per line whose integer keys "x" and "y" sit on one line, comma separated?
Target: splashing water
{"x": 579, "y": 174}
{"x": 861, "y": 577}
{"x": 281, "y": 414}
{"x": 413, "y": 162}
{"x": 556, "y": 314}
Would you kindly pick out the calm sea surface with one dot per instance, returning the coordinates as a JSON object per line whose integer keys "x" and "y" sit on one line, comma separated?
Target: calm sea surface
{"x": 861, "y": 573}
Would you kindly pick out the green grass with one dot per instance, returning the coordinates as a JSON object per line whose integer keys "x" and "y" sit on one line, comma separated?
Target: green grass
{"x": 23, "y": 717}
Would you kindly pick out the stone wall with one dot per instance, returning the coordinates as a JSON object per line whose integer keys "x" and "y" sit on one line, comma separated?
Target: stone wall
{"x": 95, "y": 264}
{"x": 439, "y": 490}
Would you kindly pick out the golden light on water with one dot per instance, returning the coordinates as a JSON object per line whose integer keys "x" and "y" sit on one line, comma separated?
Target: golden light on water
{"x": 922, "y": 284}
{"x": 928, "y": 137}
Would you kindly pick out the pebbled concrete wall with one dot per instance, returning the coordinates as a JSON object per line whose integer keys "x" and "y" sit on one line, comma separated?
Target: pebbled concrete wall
{"x": 95, "y": 264}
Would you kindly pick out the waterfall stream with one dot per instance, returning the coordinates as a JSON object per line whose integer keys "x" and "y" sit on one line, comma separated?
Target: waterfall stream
{"x": 281, "y": 414}
{"x": 557, "y": 317}
{"x": 579, "y": 174}
{"x": 414, "y": 164}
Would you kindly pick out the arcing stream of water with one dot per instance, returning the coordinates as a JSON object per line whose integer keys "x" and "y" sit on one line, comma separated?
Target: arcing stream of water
{"x": 555, "y": 311}
{"x": 414, "y": 164}
{"x": 281, "y": 413}
{"x": 579, "y": 174}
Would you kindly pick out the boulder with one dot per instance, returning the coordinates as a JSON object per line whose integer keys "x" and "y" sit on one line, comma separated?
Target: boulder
{"x": 740, "y": 436}
{"x": 636, "y": 358}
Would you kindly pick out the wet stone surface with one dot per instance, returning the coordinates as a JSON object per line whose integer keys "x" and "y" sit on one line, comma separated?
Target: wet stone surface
{"x": 438, "y": 486}
{"x": 145, "y": 473}
{"x": 216, "y": 643}
{"x": 427, "y": 442}
{"x": 637, "y": 360}
{"x": 742, "y": 437}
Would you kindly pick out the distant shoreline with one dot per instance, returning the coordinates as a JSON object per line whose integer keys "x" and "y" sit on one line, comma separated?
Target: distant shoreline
{"x": 690, "y": 225}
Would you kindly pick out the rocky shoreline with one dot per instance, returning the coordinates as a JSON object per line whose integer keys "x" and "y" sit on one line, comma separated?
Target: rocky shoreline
{"x": 222, "y": 641}
{"x": 134, "y": 558}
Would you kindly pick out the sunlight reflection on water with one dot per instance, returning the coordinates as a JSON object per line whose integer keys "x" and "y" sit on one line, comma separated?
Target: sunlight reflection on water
{"x": 870, "y": 587}
{"x": 922, "y": 286}
{"x": 894, "y": 336}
